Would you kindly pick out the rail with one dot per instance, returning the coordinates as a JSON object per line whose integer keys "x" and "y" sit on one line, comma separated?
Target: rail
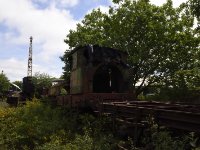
{"x": 173, "y": 115}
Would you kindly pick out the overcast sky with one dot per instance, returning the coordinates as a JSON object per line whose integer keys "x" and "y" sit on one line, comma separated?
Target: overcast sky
{"x": 48, "y": 21}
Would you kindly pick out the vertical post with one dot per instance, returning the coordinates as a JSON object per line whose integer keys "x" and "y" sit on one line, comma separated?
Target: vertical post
{"x": 136, "y": 125}
{"x": 29, "y": 73}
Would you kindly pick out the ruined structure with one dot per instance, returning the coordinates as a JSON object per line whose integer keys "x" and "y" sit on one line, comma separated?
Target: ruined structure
{"x": 98, "y": 73}
{"x": 97, "y": 69}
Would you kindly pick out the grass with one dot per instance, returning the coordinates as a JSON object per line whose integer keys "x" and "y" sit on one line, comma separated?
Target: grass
{"x": 3, "y": 104}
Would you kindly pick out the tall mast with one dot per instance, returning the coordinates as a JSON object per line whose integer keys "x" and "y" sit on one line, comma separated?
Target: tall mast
{"x": 30, "y": 59}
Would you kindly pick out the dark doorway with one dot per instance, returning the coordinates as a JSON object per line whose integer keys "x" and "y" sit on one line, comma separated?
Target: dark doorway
{"x": 107, "y": 79}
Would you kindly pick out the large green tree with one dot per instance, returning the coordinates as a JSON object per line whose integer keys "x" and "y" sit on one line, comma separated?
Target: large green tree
{"x": 4, "y": 84}
{"x": 159, "y": 40}
{"x": 195, "y": 8}
{"x": 42, "y": 81}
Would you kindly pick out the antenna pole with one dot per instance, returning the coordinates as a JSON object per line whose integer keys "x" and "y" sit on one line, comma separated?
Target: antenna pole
{"x": 29, "y": 74}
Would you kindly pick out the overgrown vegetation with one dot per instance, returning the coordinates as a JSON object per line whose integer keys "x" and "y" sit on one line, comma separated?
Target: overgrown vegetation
{"x": 4, "y": 85}
{"x": 41, "y": 127}
{"x": 37, "y": 126}
{"x": 42, "y": 82}
{"x": 161, "y": 138}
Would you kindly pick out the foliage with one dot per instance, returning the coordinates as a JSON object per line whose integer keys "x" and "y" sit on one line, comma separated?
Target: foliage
{"x": 3, "y": 104}
{"x": 195, "y": 7}
{"x": 63, "y": 91}
{"x": 41, "y": 127}
{"x": 4, "y": 84}
{"x": 160, "y": 40}
{"x": 41, "y": 81}
{"x": 37, "y": 126}
{"x": 18, "y": 83}
{"x": 67, "y": 67}
{"x": 164, "y": 141}
{"x": 161, "y": 138}
{"x": 184, "y": 85}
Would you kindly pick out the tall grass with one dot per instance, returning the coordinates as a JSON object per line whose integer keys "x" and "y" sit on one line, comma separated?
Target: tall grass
{"x": 38, "y": 126}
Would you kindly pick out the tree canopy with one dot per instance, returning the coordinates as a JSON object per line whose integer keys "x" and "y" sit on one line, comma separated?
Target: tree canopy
{"x": 195, "y": 8}
{"x": 41, "y": 81}
{"x": 4, "y": 84}
{"x": 160, "y": 40}
{"x": 18, "y": 83}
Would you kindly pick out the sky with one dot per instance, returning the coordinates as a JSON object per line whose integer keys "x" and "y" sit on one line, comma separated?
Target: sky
{"x": 48, "y": 22}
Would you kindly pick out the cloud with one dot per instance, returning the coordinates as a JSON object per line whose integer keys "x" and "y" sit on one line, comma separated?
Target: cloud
{"x": 104, "y": 9}
{"x": 49, "y": 26}
{"x": 46, "y": 26}
{"x": 58, "y": 3}
{"x": 69, "y": 2}
{"x": 16, "y": 69}
{"x": 13, "y": 68}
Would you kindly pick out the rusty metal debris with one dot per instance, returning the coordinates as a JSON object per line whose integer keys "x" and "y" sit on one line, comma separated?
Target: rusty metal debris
{"x": 176, "y": 115}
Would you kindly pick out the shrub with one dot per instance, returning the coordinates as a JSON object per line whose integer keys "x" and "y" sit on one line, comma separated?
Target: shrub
{"x": 39, "y": 126}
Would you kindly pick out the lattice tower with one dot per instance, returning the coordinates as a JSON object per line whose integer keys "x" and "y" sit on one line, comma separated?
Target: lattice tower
{"x": 30, "y": 58}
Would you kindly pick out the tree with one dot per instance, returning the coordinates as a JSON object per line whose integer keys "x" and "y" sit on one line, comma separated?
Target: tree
{"x": 158, "y": 39}
{"x": 4, "y": 84}
{"x": 41, "y": 82}
{"x": 67, "y": 67}
{"x": 18, "y": 83}
{"x": 195, "y": 8}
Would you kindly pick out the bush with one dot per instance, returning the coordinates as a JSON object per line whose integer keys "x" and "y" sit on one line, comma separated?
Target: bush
{"x": 161, "y": 138}
{"x": 41, "y": 127}
{"x": 38, "y": 126}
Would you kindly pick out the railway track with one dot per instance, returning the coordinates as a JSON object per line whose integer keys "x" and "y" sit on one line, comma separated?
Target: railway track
{"x": 136, "y": 113}
{"x": 173, "y": 115}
